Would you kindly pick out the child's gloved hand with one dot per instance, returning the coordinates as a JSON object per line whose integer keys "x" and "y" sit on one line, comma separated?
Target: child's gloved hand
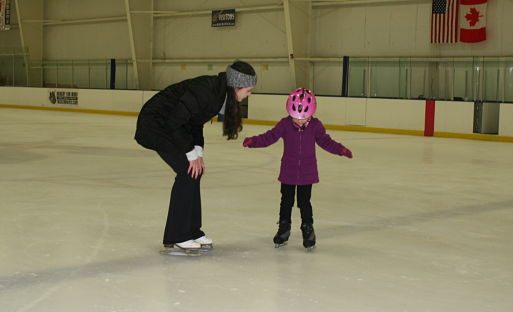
{"x": 346, "y": 152}
{"x": 247, "y": 142}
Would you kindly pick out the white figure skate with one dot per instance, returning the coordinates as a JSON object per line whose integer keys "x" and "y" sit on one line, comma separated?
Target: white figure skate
{"x": 187, "y": 248}
{"x": 205, "y": 243}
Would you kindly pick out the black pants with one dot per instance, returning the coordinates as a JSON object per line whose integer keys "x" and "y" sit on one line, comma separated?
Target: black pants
{"x": 184, "y": 216}
{"x": 304, "y": 193}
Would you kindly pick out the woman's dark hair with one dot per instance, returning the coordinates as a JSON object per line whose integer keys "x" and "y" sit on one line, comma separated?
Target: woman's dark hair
{"x": 232, "y": 122}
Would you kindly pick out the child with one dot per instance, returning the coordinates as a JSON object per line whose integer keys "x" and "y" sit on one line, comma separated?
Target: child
{"x": 300, "y": 131}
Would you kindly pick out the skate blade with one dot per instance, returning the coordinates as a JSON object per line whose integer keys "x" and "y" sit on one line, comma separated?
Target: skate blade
{"x": 206, "y": 248}
{"x": 310, "y": 249}
{"x": 180, "y": 252}
{"x": 280, "y": 245}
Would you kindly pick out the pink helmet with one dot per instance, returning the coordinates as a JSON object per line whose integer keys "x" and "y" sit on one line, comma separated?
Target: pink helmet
{"x": 301, "y": 103}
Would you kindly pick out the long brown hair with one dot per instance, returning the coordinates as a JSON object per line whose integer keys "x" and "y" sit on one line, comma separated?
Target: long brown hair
{"x": 232, "y": 122}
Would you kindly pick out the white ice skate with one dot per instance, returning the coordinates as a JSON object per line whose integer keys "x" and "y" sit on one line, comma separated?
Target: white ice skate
{"x": 187, "y": 248}
{"x": 205, "y": 242}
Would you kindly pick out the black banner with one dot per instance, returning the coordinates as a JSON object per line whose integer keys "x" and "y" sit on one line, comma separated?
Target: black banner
{"x": 222, "y": 18}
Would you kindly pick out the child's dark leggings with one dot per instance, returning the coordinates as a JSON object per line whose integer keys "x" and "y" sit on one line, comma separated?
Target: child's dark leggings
{"x": 304, "y": 193}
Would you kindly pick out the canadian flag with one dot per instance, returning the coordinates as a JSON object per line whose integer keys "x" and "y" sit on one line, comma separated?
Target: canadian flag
{"x": 472, "y": 20}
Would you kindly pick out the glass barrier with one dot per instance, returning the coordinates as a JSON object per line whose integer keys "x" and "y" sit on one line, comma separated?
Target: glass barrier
{"x": 475, "y": 79}
{"x": 480, "y": 79}
{"x": 508, "y": 80}
{"x": 464, "y": 79}
{"x": 13, "y": 71}
{"x": 358, "y": 77}
{"x": 86, "y": 74}
{"x": 384, "y": 77}
{"x": 491, "y": 80}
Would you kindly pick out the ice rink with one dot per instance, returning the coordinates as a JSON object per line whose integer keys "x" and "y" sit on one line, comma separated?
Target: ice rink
{"x": 410, "y": 224}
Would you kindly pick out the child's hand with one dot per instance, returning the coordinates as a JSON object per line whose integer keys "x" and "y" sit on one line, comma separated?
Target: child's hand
{"x": 247, "y": 142}
{"x": 346, "y": 152}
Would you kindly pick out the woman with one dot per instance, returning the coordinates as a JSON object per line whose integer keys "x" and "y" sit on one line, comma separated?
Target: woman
{"x": 171, "y": 123}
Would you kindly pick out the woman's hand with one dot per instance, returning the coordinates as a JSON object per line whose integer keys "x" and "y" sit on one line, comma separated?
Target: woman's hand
{"x": 202, "y": 165}
{"x": 196, "y": 167}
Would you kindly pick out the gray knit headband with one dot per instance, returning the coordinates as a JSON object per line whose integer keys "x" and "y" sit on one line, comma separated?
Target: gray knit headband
{"x": 236, "y": 79}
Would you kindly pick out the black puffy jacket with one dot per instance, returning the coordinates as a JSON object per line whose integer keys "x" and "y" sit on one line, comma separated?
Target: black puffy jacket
{"x": 172, "y": 120}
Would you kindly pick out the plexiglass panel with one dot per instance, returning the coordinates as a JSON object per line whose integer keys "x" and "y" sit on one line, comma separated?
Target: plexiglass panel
{"x": 404, "y": 78}
{"x": 508, "y": 80}
{"x": 485, "y": 79}
{"x": 492, "y": 79}
{"x": 358, "y": 70}
{"x": 463, "y": 78}
{"x": 384, "y": 78}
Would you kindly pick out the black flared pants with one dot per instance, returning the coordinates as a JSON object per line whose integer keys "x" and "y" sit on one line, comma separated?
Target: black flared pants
{"x": 184, "y": 216}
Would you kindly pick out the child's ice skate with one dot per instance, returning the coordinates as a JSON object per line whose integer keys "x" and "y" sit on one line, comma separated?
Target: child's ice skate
{"x": 205, "y": 243}
{"x": 187, "y": 248}
{"x": 308, "y": 236}
{"x": 282, "y": 236}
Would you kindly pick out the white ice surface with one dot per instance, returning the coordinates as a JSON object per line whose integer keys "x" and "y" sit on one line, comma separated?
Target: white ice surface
{"x": 410, "y": 224}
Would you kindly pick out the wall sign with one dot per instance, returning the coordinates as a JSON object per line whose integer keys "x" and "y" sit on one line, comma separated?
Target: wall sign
{"x": 63, "y": 97}
{"x": 222, "y": 18}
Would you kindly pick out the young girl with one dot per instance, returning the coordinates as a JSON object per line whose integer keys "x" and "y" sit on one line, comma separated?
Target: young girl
{"x": 300, "y": 131}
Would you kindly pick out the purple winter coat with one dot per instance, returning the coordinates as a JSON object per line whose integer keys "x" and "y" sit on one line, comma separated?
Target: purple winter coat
{"x": 298, "y": 163}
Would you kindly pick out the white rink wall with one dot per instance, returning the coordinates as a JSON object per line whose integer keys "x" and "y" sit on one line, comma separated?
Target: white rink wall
{"x": 88, "y": 99}
{"x": 378, "y": 113}
{"x": 506, "y": 120}
{"x": 454, "y": 117}
{"x": 395, "y": 114}
{"x": 451, "y": 117}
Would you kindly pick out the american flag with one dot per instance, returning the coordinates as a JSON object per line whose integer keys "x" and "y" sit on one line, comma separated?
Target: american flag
{"x": 444, "y": 21}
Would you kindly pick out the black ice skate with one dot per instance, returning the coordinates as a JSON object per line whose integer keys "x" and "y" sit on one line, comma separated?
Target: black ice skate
{"x": 308, "y": 235}
{"x": 282, "y": 236}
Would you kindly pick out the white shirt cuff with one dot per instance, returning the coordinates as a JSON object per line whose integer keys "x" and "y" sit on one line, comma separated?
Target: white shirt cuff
{"x": 199, "y": 150}
{"x": 192, "y": 155}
